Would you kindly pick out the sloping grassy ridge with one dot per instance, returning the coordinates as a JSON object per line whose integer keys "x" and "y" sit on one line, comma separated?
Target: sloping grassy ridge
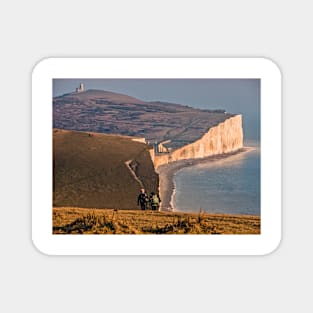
{"x": 89, "y": 170}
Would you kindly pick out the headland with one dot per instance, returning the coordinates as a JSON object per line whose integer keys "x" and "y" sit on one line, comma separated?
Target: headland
{"x": 107, "y": 146}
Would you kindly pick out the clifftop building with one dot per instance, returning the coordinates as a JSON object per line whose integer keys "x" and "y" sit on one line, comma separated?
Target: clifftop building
{"x": 81, "y": 88}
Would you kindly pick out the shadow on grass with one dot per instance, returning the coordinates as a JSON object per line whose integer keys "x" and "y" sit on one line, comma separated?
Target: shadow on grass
{"x": 85, "y": 223}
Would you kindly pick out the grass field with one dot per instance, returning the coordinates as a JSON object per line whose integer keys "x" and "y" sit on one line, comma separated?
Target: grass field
{"x": 89, "y": 170}
{"x": 112, "y": 113}
{"x": 69, "y": 220}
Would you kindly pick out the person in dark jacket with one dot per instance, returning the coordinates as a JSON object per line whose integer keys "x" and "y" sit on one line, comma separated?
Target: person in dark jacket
{"x": 142, "y": 199}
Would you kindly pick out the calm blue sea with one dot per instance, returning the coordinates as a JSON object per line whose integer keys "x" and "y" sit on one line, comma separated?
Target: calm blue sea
{"x": 231, "y": 185}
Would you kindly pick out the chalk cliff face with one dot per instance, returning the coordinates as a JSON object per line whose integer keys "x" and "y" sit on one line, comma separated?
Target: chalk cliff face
{"x": 223, "y": 138}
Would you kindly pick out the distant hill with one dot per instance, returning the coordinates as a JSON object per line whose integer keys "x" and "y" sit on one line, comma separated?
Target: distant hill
{"x": 89, "y": 170}
{"x": 113, "y": 113}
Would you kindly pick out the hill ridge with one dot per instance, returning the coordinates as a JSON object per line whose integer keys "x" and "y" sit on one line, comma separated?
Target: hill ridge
{"x": 89, "y": 170}
{"x": 113, "y": 113}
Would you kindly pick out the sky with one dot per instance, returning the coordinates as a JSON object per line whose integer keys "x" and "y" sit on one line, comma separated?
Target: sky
{"x": 238, "y": 96}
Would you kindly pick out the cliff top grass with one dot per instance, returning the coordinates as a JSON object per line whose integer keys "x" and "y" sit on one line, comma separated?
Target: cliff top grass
{"x": 113, "y": 113}
{"x": 70, "y": 220}
{"x": 89, "y": 170}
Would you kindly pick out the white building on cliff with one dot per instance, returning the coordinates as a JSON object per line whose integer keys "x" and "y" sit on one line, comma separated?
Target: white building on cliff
{"x": 81, "y": 88}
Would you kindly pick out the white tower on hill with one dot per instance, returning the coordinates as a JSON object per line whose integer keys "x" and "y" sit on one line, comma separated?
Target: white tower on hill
{"x": 81, "y": 88}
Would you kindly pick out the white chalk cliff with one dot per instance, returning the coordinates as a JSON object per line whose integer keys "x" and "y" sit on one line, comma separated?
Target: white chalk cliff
{"x": 224, "y": 138}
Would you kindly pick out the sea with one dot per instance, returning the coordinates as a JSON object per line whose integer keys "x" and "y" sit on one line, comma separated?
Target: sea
{"x": 230, "y": 185}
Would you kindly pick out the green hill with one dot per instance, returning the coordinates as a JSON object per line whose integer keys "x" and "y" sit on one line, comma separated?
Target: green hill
{"x": 89, "y": 170}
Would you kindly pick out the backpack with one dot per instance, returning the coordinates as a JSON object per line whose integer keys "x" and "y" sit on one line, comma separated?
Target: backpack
{"x": 155, "y": 199}
{"x": 143, "y": 197}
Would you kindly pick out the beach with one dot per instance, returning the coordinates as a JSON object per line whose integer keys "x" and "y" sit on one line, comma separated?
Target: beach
{"x": 167, "y": 171}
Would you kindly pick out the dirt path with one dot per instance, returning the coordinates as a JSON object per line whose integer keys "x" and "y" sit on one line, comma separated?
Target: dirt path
{"x": 127, "y": 163}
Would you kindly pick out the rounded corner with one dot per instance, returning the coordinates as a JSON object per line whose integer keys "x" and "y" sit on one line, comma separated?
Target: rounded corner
{"x": 274, "y": 247}
{"x": 38, "y": 248}
{"x": 40, "y": 64}
{"x": 273, "y": 65}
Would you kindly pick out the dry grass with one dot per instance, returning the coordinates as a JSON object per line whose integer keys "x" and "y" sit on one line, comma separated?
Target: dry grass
{"x": 104, "y": 221}
{"x": 89, "y": 170}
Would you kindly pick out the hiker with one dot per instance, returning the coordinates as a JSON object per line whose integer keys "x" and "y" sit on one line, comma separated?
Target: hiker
{"x": 155, "y": 201}
{"x": 143, "y": 199}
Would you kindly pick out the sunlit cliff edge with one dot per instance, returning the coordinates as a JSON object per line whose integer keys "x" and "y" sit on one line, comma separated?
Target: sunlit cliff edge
{"x": 226, "y": 137}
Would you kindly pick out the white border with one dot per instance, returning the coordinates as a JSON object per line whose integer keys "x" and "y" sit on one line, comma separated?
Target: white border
{"x": 264, "y": 69}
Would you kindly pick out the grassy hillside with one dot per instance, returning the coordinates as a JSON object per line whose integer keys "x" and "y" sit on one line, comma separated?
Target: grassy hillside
{"x": 113, "y": 113}
{"x": 103, "y": 221}
{"x": 89, "y": 170}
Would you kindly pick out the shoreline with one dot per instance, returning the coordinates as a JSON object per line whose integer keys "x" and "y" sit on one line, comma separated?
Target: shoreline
{"x": 166, "y": 172}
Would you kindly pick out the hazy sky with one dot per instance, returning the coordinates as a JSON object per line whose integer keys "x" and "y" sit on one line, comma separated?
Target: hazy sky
{"x": 233, "y": 95}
